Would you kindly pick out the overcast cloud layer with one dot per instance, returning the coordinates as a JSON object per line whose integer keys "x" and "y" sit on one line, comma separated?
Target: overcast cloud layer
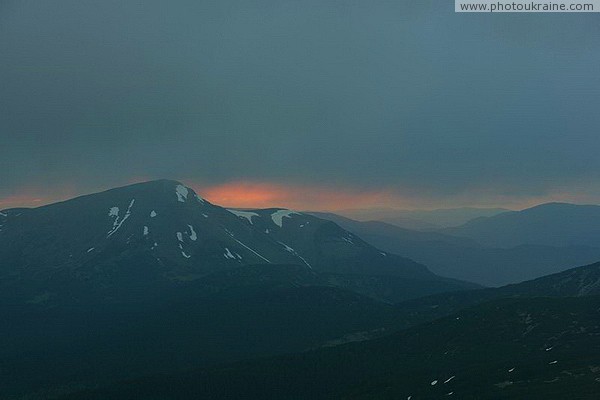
{"x": 402, "y": 96}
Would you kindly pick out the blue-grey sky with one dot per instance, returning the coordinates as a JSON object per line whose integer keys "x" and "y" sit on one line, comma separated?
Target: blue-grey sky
{"x": 404, "y": 101}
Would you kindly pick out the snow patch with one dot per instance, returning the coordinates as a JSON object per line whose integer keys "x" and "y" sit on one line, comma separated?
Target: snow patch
{"x": 185, "y": 255}
{"x": 279, "y": 215}
{"x": 449, "y": 379}
{"x": 146, "y": 231}
{"x": 289, "y": 249}
{"x": 248, "y": 248}
{"x": 244, "y": 214}
{"x": 182, "y": 193}
{"x": 228, "y": 254}
{"x": 114, "y": 211}
{"x": 90, "y": 249}
{"x": 433, "y": 383}
{"x": 153, "y": 214}
{"x": 179, "y": 236}
{"x": 348, "y": 239}
{"x": 193, "y": 235}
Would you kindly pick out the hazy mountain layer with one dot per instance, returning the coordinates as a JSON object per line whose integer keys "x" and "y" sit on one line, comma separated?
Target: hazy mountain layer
{"x": 464, "y": 258}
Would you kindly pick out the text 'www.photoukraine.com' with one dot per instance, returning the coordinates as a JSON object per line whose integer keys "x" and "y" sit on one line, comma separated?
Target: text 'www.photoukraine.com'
{"x": 495, "y": 6}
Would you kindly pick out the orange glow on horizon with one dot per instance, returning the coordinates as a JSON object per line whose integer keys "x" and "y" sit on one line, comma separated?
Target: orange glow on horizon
{"x": 254, "y": 194}
{"x": 267, "y": 195}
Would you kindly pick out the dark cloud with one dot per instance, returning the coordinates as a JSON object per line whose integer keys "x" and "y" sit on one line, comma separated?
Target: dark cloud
{"x": 386, "y": 94}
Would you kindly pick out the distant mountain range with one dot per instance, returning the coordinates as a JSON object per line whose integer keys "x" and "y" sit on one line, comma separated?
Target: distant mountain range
{"x": 494, "y": 343}
{"x": 465, "y": 258}
{"x": 552, "y": 224}
{"x": 422, "y": 219}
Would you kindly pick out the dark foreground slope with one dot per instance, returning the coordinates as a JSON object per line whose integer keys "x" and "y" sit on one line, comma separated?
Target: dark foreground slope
{"x": 542, "y": 348}
{"x": 48, "y": 350}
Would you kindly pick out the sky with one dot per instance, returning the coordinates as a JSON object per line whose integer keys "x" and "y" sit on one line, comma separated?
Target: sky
{"x": 324, "y": 104}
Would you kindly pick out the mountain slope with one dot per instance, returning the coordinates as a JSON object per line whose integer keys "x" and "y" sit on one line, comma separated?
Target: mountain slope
{"x": 44, "y": 350}
{"x": 535, "y": 348}
{"x": 343, "y": 258}
{"x": 130, "y": 242}
{"x": 552, "y": 224}
{"x": 476, "y": 336}
{"x": 151, "y": 278}
{"x": 575, "y": 282}
{"x": 464, "y": 258}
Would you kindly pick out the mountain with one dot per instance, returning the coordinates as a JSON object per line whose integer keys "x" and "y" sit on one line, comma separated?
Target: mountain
{"x": 343, "y": 258}
{"x": 540, "y": 348}
{"x": 535, "y": 340}
{"x": 464, "y": 258}
{"x": 575, "y": 282}
{"x": 44, "y": 351}
{"x": 135, "y": 241}
{"x": 423, "y": 220}
{"x": 552, "y": 224}
{"x": 201, "y": 332}
{"x": 152, "y": 278}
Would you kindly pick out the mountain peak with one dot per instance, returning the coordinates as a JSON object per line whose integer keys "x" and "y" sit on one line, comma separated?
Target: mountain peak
{"x": 161, "y": 191}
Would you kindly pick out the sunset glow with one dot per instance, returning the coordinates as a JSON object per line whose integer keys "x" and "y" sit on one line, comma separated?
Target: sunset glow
{"x": 265, "y": 195}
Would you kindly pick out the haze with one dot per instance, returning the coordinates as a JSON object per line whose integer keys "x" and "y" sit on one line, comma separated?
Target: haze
{"x": 300, "y": 104}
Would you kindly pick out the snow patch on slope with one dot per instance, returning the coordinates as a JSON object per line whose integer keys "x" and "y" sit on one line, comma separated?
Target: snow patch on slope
{"x": 193, "y": 235}
{"x": 114, "y": 212}
{"x": 294, "y": 252}
{"x": 244, "y": 214}
{"x": 279, "y": 215}
{"x": 182, "y": 193}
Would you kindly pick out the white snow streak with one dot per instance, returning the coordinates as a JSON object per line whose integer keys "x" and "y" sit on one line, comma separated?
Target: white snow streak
{"x": 289, "y": 249}
{"x": 228, "y": 254}
{"x": 117, "y": 224}
{"x": 244, "y": 214}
